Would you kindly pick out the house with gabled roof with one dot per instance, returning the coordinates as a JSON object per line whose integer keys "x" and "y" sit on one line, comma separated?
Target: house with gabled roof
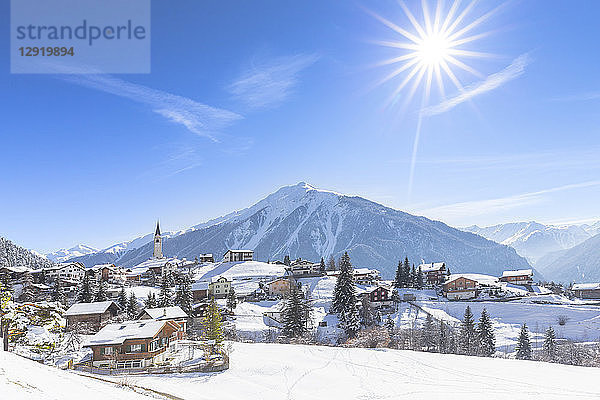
{"x": 174, "y": 313}
{"x": 238, "y": 255}
{"x": 92, "y": 315}
{"x": 131, "y": 344}
{"x": 518, "y": 277}
{"x": 434, "y": 273}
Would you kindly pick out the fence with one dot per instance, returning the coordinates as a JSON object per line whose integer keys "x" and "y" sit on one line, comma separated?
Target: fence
{"x": 174, "y": 369}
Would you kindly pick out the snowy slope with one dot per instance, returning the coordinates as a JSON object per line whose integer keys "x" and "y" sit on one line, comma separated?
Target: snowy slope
{"x": 302, "y": 221}
{"x": 279, "y": 371}
{"x": 12, "y": 255}
{"x": 533, "y": 240}
{"x": 66, "y": 254}
{"x": 22, "y": 379}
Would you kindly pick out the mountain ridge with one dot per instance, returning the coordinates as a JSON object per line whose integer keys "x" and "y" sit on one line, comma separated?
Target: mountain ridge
{"x": 303, "y": 221}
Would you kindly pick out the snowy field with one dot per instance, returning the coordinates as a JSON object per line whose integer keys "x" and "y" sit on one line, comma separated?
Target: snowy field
{"x": 279, "y": 371}
{"x": 22, "y": 379}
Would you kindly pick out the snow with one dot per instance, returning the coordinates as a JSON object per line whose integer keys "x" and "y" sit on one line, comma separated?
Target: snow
{"x": 89, "y": 308}
{"x": 166, "y": 312}
{"x": 22, "y": 379}
{"x": 586, "y": 286}
{"x": 280, "y": 371}
{"x": 118, "y": 333}
{"x": 517, "y": 272}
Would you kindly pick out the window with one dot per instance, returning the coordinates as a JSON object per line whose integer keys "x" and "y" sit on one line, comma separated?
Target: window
{"x": 135, "y": 348}
{"x": 107, "y": 351}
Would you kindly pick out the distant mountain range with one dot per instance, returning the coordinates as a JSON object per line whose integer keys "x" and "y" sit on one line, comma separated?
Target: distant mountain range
{"x": 533, "y": 240}
{"x": 66, "y": 254}
{"x": 302, "y": 221}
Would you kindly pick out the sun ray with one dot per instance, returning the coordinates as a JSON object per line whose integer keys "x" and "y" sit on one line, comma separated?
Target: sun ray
{"x": 397, "y": 45}
{"x": 477, "y": 22}
{"x": 440, "y": 81}
{"x": 404, "y": 83}
{"x": 469, "y": 39}
{"x": 470, "y": 53}
{"x": 412, "y": 19}
{"x": 394, "y": 27}
{"x": 438, "y": 16}
{"x": 450, "y": 15}
{"x": 464, "y": 66}
{"x": 426, "y": 17}
{"x": 459, "y": 18}
{"x": 396, "y": 59}
{"x": 452, "y": 77}
{"x": 398, "y": 71}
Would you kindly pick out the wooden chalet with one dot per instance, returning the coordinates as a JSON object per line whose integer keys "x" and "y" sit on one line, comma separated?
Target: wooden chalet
{"x": 91, "y": 315}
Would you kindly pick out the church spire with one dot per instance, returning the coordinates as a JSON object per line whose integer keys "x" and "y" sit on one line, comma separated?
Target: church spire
{"x": 157, "y": 233}
{"x": 157, "y": 243}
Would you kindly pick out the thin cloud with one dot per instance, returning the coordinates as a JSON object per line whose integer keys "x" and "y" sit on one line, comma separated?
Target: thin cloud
{"x": 269, "y": 83}
{"x": 494, "y": 81}
{"x": 196, "y": 117}
{"x": 490, "y": 206}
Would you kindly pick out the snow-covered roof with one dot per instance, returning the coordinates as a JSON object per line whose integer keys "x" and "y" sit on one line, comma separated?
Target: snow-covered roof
{"x": 98, "y": 307}
{"x": 200, "y": 286}
{"x": 16, "y": 269}
{"x": 118, "y": 333}
{"x": 165, "y": 313}
{"x": 586, "y": 286}
{"x": 518, "y": 272}
{"x": 365, "y": 271}
{"x": 238, "y": 251}
{"x": 479, "y": 278}
{"x": 101, "y": 266}
{"x": 156, "y": 262}
{"x": 431, "y": 267}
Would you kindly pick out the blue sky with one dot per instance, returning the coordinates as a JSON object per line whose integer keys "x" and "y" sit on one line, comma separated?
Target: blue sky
{"x": 245, "y": 97}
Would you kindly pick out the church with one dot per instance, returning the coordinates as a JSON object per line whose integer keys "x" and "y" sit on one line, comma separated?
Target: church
{"x": 157, "y": 243}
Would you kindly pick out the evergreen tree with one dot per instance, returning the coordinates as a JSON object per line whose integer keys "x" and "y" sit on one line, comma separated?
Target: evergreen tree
{"x": 523, "y": 344}
{"x": 122, "y": 299}
{"x": 132, "y": 307}
{"x": 101, "y": 293}
{"x": 184, "y": 297}
{"x": 429, "y": 339}
{"x": 86, "y": 293}
{"x": 331, "y": 264}
{"x": 295, "y": 315}
{"x": 322, "y": 265}
{"x": 399, "y": 279}
{"x": 165, "y": 297}
{"x": 286, "y": 260}
{"x": 550, "y": 345}
{"x": 485, "y": 335}
{"x": 443, "y": 338}
{"x": 420, "y": 278}
{"x": 396, "y": 298}
{"x": 468, "y": 335}
{"x": 412, "y": 280}
{"x": 344, "y": 298}
{"x": 150, "y": 301}
{"x": 58, "y": 294}
{"x": 42, "y": 277}
{"x": 231, "y": 300}
{"x": 390, "y": 325}
{"x": 405, "y": 273}
{"x": 211, "y": 325}
{"x": 28, "y": 290}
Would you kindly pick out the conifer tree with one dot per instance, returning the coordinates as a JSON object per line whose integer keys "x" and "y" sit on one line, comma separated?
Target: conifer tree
{"x": 231, "y": 300}
{"x": 132, "y": 307}
{"x": 211, "y": 325}
{"x": 523, "y": 344}
{"x": 344, "y": 298}
{"x": 420, "y": 278}
{"x": 150, "y": 301}
{"x": 550, "y": 345}
{"x": 295, "y": 315}
{"x": 485, "y": 335}
{"x": 165, "y": 297}
{"x": 443, "y": 338}
{"x": 331, "y": 263}
{"x": 122, "y": 299}
{"x": 86, "y": 293}
{"x": 390, "y": 325}
{"x": 429, "y": 339}
{"x": 286, "y": 260}
{"x": 322, "y": 265}
{"x": 184, "y": 297}
{"x": 412, "y": 280}
{"x": 28, "y": 291}
{"x": 396, "y": 298}
{"x": 405, "y": 273}
{"x": 101, "y": 293}
{"x": 58, "y": 294}
{"x": 468, "y": 335}
{"x": 399, "y": 279}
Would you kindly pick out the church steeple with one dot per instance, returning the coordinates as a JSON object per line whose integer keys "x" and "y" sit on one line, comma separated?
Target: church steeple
{"x": 157, "y": 243}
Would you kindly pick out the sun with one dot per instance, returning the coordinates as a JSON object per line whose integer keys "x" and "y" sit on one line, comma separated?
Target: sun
{"x": 432, "y": 47}
{"x": 432, "y": 50}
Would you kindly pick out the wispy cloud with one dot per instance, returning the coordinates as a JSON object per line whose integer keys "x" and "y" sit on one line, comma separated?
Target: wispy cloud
{"x": 268, "y": 83}
{"x": 494, "y": 81}
{"x": 199, "y": 118}
{"x": 490, "y": 206}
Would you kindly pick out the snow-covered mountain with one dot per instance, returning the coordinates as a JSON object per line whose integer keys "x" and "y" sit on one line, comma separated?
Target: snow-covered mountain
{"x": 302, "y": 221}
{"x": 533, "y": 240}
{"x": 12, "y": 255}
{"x": 578, "y": 264}
{"x": 66, "y": 254}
